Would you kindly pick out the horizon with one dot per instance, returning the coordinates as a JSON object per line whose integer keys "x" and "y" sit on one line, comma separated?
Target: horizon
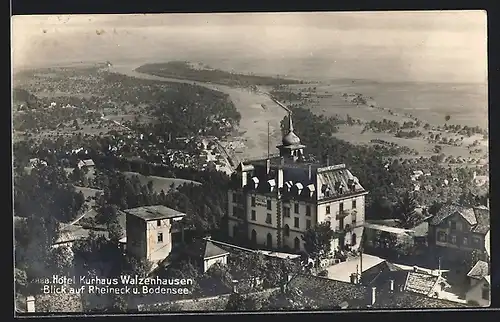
{"x": 421, "y": 47}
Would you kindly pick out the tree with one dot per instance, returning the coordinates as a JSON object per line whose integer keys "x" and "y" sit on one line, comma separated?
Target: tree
{"x": 318, "y": 239}
{"x": 472, "y": 258}
{"x": 405, "y": 212}
{"x": 290, "y": 299}
{"x": 236, "y": 302}
{"x": 447, "y": 118}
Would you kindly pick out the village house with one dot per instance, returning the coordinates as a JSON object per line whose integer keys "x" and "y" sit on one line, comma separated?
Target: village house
{"x": 332, "y": 294}
{"x": 273, "y": 201}
{"x": 89, "y": 164}
{"x": 205, "y": 254}
{"x": 480, "y": 293}
{"x": 380, "y": 233}
{"x": 153, "y": 231}
{"x": 456, "y": 231}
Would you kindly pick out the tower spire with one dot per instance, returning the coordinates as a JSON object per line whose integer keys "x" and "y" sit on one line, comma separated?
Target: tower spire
{"x": 290, "y": 123}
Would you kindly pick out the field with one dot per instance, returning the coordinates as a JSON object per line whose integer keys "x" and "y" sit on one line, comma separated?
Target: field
{"x": 337, "y": 100}
{"x": 160, "y": 183}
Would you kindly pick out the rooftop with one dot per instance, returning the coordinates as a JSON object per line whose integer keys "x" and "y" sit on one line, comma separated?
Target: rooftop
{"x": 420, "y": 283}
{"x": 328, "y": 293}
{"x": 203, "y": 248}
{"x": 148, "y": 213}
{"x": 480, "y": 270}
{"x": 477, "y": 217}
{"x": 380, "y": 273}
{"x": 406, "y": 300}
{"x": 388, "y": 229}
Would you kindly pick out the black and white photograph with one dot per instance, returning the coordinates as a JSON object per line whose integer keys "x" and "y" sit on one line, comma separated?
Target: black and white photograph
{"x": 250, "y": 162}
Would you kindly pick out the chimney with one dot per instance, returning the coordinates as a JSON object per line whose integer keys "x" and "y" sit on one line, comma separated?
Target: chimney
{"x": 392, "y": 285}
{"x": 268, "y": 165}
{"x": 280, "y": 179}
{"x": 244, "y": 179}
{"x": 30, "y": 304}
{"x": 309, "y": 172}
{"x": 235, "y": 287}
{"x": 374, "y": 296}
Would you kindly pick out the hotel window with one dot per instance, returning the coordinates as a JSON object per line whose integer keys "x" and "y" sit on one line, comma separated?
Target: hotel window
{"x": 308, "y": 210}
{"x": 286, "y": 212}
{"x": 453, "y": 225}
{"x": 341, "y": 207}
{"x": 308, "y": 224}
{"x": 296, "y": 208}
{"x": 453, "y": 239}
{"x": 268, "y": 219}
{"x": 269, "y": 205}
{"x": 476, "y": 241}
{"x": 486, "y": 293}
{"x": 327, "y": 210}
{"x": 442, "y": 236}
{"x": 253, "y": 201}
{"x": 354, "y": 204}
{"x": 253, "y": 215}
{"x": 158, "y": 223}
{"x": 296, "y": 222}
{"x": 353, "y": 217}
{"x": 160, "y": 237}
{"x": 466, "y": 241}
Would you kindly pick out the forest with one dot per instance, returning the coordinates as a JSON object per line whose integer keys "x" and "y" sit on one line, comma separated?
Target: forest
{"x": 183, "y": 70}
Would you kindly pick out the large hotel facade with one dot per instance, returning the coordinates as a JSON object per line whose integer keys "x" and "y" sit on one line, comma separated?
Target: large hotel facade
{"x": 273, "y": 201}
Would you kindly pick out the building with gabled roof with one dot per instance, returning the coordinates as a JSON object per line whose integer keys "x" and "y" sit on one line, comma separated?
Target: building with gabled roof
{"x": 205, "y": 254}
{"x": 478, "y": 271}
{"x": 332, "y": 294}
{"x": 152, "y": 231}
{"x": 89, "y": 163}
{"x": 457, "y": 230}
{"x": 274, "y": 200}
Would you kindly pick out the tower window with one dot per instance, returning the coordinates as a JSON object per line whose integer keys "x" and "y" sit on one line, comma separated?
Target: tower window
{"x": 269, "y": 206}
{"x": 327, "y": 210}
{"x": 308, "y": 210}
{"x": 253, "y": 215}
{"x": 160, "y": 237}
{"x": 268, "y": 219}
{"x": 354, "y": 204}
{"x": 296, "y": 222}
{"x": 308, "y": 224}
{"x": 296, "y": 208}
{"x": 341, "y": 207}
{"x": 158, "y": 223}
{"x": 253, "y": 201}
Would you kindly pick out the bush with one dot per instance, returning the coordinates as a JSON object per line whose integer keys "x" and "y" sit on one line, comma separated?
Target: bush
{"x": 323, "y": 273}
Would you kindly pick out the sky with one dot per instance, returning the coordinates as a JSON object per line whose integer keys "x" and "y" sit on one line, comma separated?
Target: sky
{"x": 437, "y": 46}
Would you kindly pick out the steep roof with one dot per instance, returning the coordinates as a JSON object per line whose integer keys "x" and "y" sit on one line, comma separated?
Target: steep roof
{"x": 480, "y": 270}
{"x": 203, "y": 248}
{"x": 482, "y": 215}
{"x": 420, "y": 283}
{"x": 328, "y": 293}
{"x": 371, "y": 275}
{"x": 406, "y": 300}
{"x": 478, "y": 217}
